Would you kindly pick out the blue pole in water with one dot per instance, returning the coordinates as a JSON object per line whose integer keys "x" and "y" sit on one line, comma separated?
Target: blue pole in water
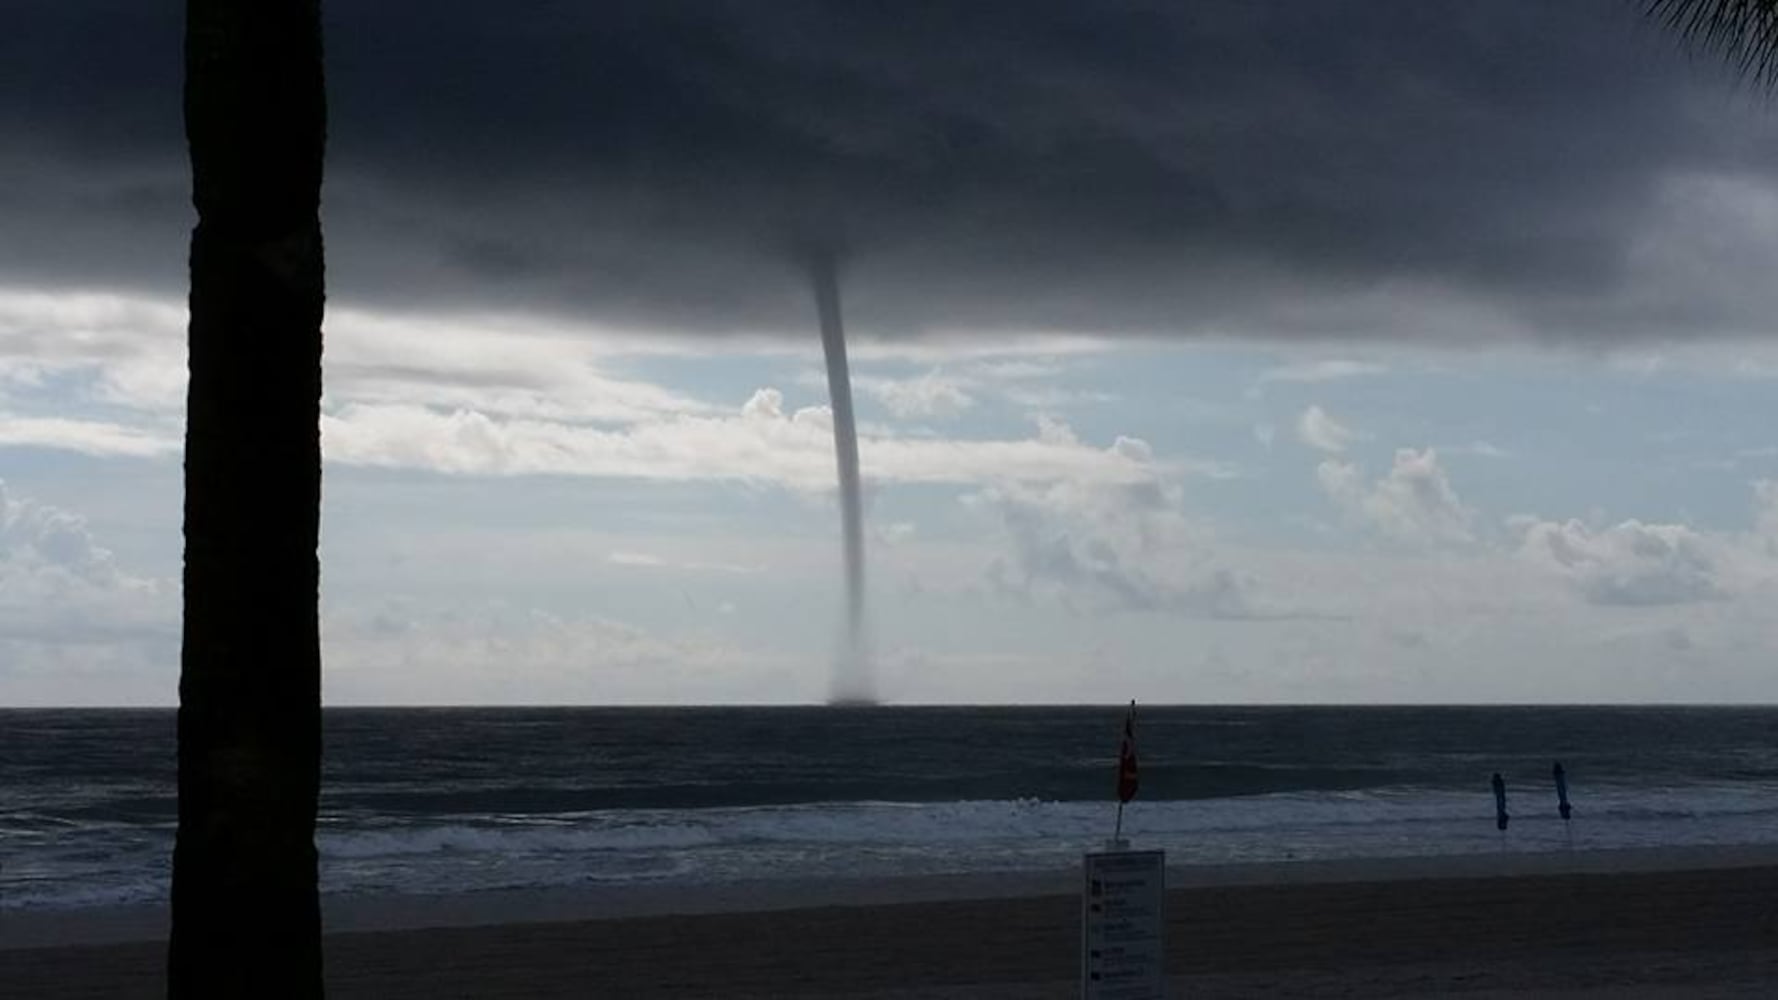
{"x": 1562, "y": 806}
{"x": 1500, "y": 816}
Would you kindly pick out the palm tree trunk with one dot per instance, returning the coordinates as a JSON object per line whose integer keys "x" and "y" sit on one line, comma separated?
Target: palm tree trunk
{"x": 246, "y": 915}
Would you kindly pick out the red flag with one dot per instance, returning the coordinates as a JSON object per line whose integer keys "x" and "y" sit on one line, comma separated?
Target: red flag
{"x": 1126, "y": 759}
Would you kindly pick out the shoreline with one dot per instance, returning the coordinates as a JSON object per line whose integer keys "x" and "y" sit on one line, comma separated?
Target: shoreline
{"x": 1708, "y": 931}
{"x": 34, "y": 928}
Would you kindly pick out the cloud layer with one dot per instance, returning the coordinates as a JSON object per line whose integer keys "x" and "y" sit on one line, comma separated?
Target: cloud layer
{"x": 762, "y": 443}
{"x": 1432, "y": 169}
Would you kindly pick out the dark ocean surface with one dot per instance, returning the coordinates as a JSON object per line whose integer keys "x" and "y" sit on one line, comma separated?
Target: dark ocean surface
{"x": 447, "y": 800}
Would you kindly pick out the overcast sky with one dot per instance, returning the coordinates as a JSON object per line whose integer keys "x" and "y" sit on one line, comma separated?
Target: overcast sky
{"x": 1227, "y": 351}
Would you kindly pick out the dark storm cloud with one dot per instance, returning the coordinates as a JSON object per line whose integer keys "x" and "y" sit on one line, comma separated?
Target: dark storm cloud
{"x": 1224, "y": 166}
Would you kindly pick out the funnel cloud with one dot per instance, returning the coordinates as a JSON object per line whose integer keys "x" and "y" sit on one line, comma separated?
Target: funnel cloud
{"x": 851, "y": 674}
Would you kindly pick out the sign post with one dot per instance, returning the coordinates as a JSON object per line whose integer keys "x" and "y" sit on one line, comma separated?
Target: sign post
{"x": 1123, "y": 904}
{"x": 1123, "y": 914}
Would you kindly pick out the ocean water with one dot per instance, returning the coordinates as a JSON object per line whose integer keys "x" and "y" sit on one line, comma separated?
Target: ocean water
{"x": 446, "y": 800}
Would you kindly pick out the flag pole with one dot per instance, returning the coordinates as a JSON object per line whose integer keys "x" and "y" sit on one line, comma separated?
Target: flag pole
{"x": 1126, "y": 775}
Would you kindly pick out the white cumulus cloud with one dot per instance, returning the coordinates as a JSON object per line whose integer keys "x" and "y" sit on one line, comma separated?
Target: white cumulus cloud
{"x": 1322, "y": 432}
{"x": 1095, "y": 547}
{"x": 759, "y": 443}
{"x": 1414, "y": 503}
{"x": 932, "y": 395}
{"x": 1629, "y": 563}
{"x": 1324, "y": 370}
{"x": 70, "y": 617}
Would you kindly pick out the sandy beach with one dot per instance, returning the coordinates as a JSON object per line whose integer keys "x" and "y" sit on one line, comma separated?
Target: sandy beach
{"x": 1619, "y": 924}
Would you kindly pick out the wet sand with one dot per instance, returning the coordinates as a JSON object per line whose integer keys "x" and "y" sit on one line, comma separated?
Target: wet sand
{"x": 1631, "y": 932}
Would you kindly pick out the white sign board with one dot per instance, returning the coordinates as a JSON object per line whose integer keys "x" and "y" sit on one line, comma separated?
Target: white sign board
{"x": 1123, "y": 908}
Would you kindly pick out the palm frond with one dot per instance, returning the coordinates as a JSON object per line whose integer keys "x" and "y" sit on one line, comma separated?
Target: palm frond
{"x": 1744, "y": 32}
